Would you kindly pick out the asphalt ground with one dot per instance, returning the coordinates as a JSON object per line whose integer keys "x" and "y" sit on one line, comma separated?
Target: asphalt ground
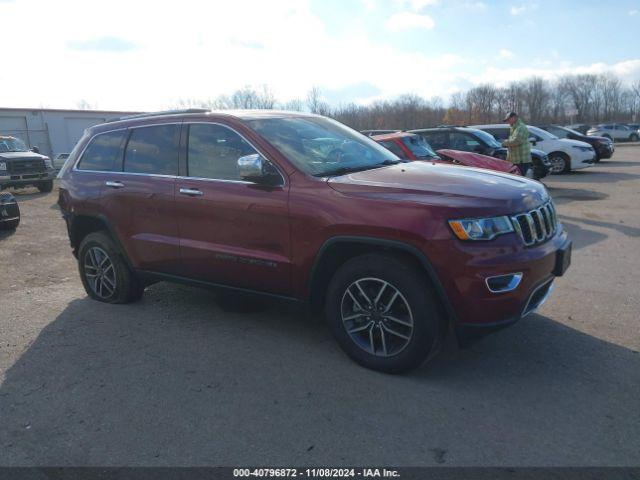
{"x": 178, "y": 380}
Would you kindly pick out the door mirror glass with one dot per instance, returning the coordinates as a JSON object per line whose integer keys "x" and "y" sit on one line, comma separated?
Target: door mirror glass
{"x": 255, "y": 168}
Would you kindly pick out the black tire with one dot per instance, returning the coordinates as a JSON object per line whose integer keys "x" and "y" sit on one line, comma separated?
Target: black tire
{"x": 633, "y": 137}
{"x": 606, "y": 135}
{"x": 416, "y": 297}
{"x": 126, "y": 286}
{"x": 10, "y": 225}
{"x": 45, "y": 187}
{"x": 560, "y": 163}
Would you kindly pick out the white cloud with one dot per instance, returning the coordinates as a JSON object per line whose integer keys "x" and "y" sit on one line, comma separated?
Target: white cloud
{"x": 515, "y": 11}
{"x": 633, "y": 12}
{"x": 479, "y": 6}
{"x": 407, "y": 20}
{"x": 627, "y": 71}
{"x": 506, "y": 54}
{"x": 203, "y": 50}
{"x": 416, "y": 5}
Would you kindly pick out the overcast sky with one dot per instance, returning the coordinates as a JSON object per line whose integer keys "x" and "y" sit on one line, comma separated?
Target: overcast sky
{"x": 142, "y": 55}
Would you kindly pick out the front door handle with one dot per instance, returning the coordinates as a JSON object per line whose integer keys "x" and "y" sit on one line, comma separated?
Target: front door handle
{"x": 192, "y": 192}
{"x": 114, "y": 184}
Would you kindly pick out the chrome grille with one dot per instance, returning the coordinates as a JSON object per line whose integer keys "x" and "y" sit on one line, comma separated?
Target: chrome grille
{"x": 536, "y": 226}
{"x": 26, "y": 166}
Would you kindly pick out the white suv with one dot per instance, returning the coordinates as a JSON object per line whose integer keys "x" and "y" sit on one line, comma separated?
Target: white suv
{"x": 564, "y": 154}
{"x": 615, "y": 131}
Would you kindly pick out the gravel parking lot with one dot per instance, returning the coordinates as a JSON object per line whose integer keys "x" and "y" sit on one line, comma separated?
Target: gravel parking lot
{"x": 177, "y": 380}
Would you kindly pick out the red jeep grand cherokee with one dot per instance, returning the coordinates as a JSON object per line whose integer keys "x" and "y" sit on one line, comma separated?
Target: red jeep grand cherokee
{"x": 299, "y": 206}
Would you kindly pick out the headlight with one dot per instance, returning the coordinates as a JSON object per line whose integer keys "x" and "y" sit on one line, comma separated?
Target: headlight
{"x": 481, "y": 228}
{"x": 47, "y": 163}
{"x": 3, "y": 165}
{"x": 581, "y": 148}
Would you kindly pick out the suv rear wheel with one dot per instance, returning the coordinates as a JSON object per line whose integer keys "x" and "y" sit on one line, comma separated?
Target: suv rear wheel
{"x": 105, "y": 276}
{"x": 383, "y": 313}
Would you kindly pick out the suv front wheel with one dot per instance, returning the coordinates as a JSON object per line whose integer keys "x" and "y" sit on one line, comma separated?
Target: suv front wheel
{"x": 383, "y": 314}
{"x": 105, "y": 276}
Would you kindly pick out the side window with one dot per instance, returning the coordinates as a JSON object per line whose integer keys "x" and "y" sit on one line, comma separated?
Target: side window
{"x": 499, "y": 134}
{"x": 102, "y": 152}
{"x": 153, "y": 150}
{"x": 462, "y": 141}
{"x": 437, "y": 140}
{"x": 394, "y": 148}
{"x": 536, "y": 137}
{"x": 213, "y": 152}
{"x": 558, "y": 132}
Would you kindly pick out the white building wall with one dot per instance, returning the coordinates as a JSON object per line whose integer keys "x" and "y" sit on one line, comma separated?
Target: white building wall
{"x": 52, "y": 131}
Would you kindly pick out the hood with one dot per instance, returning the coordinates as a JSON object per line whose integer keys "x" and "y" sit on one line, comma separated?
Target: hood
{"x": 596, "y": 138}
{"x": 470, "y": 190}
{"x": 21, "y": 156}
{"x": 471, "y": 159}
{"x": 577, "y": 143}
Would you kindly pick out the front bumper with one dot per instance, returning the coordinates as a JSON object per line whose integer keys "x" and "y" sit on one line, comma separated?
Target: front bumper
{"x": 583, "y": 161}
{"x": 464, "y": 274}
{"x": 605, "y": 151}
{"x": 24, "y": 179}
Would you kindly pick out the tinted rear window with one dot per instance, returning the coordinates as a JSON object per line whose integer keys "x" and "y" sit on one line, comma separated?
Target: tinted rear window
{"x": 153, "y": 150}
{"x": 102, "y": 152}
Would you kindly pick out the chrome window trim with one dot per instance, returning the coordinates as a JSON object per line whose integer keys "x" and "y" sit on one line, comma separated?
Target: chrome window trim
{"x": 158, "y": 124}
{"x": 257, "y": 150}
{"x": 93, "y": 137}
{"x": 75, "y": 165}
{"x": 120, "y": 172}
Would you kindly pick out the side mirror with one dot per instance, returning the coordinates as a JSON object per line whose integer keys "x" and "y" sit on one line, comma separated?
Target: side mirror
{"x": 255, "y": 168}
{"x": 532, "y": 140}
{"x": 35, "y": 149}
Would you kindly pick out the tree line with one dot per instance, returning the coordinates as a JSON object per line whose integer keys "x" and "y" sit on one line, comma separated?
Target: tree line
{"x": 586, "y": 98}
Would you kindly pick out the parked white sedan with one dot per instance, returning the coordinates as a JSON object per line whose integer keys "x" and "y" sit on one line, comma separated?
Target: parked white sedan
{"x": 564, "y": 154}
{"x": 615, "y": 131}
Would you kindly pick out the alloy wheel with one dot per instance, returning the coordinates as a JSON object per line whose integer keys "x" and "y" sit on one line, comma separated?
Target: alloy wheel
{"x": 100, "y": 272}
{"x": 377, "y": 317}
{"x": 557, "y": 164}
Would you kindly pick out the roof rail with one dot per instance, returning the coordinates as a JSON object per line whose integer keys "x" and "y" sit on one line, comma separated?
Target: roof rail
{"x": 159, "y": 113}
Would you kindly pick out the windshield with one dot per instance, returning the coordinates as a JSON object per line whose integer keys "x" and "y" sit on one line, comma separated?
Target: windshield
{"x": 321, "y": 146}
{"x": 10, "y": 144}
{"x": 543, "y": 134}
{"x": 419, "y": 147}
{"x": 487, "y": 138}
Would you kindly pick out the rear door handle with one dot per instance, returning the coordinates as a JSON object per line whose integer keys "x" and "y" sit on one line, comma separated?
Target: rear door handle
{"x": 192, "y": 192}
{"x": 112, "y": 184}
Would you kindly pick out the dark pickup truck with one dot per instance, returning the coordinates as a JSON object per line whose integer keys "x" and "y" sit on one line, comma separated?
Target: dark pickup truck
{"x": 21, "y": 167}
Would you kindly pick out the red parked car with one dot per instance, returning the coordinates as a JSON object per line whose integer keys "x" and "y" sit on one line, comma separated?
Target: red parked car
{"x": 413, "y": 147}
{"x": 298, "y": 206}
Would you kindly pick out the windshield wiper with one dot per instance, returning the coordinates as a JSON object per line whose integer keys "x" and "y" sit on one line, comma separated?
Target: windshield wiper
{"x": 361, "y": 168}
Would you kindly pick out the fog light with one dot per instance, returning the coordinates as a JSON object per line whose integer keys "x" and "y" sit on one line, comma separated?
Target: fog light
{"x": 503, "y": 283}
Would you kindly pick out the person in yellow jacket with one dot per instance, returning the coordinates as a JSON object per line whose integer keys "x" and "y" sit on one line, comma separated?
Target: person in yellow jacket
{"x": 518, "y": 146}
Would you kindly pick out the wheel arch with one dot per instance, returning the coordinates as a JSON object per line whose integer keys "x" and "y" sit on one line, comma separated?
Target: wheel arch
{"x": 337, "y": 250}
{"x": 82, "y": 225}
